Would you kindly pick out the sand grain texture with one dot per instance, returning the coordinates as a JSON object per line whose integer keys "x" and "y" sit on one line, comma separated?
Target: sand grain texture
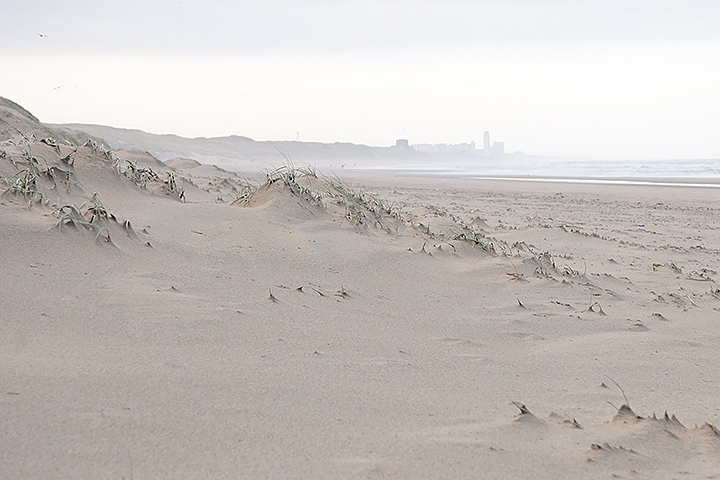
{"x": 276, "y": 338}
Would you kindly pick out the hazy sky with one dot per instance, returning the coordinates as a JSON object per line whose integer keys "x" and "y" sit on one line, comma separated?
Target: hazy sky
{"x": 626, "y": 78}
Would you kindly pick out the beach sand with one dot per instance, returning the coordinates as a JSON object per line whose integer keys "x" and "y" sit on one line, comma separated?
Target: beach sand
{"x": 274, "y": 337}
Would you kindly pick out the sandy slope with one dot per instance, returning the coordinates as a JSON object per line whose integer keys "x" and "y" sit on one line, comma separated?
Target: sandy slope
{"x": 247, "y": 154}
{"x": 275, "y": 338}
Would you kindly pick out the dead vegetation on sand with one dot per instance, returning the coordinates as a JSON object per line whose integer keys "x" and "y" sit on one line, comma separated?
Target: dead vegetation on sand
{"x": 43, "y": 172}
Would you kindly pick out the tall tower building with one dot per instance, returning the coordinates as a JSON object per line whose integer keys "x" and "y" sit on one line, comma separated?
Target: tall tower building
{"x": 486, "y": 142}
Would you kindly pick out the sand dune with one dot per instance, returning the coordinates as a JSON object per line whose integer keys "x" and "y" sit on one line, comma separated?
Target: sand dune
{"x": 242, "y": 153}
{"x": 292, "y": 325}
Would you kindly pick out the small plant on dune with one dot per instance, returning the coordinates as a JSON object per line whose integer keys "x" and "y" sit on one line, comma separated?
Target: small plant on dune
{"x": 141, "y": 176}
{"x": 49, "y": 141}
{"x": 96, "y": 209}
{"x": 93, "y": 145}
{"x": 242, "y": 188}
{"x": 516, "y": 275}
{"x": 626, "y": 405}
{"x": 288, "y": 172}
{"x": 96, "y": 218}
{"x": 70, "y": 216}
{"x": 462, "y": 231}
{"x": 361, "y": 207}
{"x": 170, "y": 186}
{"x": 112, "y": 156}
{"x": 469, "y": 234}
{"x": 669, "y": 423}
{"x": 24, "y": 183}
{"x": 138, "y": 175}
{"x": 68, "y": 159}
{"x": 545, "y": 266}
{"x": 289, "y": 175}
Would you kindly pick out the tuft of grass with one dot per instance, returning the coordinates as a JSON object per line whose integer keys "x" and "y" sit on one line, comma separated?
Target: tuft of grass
{"x": 49, "y": 141}
{"x": 171, "y": 187}
{"x": 95, "y": 218}
{"x": 362, "y": 208}
{"x": 140, "y": 176}
{"x": 290, "y": 175}
{"x": 70, "y": 216}
{"x": 96, "y": 209}
{"x": 624, "y": 411}
{"x": 24, "y": 184}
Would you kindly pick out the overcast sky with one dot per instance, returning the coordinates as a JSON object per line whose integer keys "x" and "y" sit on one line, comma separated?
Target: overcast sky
{"x": 595, "y": 78}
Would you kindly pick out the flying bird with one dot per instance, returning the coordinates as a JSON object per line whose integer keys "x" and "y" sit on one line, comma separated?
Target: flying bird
{"x": 42, "y": 35}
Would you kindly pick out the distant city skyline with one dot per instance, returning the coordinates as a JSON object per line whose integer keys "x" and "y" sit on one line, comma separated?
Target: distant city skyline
{"x": 601, "y": 78}
{"x": 496, "y": 148}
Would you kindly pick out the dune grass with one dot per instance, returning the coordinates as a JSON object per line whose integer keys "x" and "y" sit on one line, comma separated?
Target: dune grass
{"x": 142, "y": 176}
{"x": 171, "y": 187}
{"x": 290, "y": 176}
{"x": 24, "y": 184}
{"x": 365, "y": 209}
{"x": 92, "y": 215}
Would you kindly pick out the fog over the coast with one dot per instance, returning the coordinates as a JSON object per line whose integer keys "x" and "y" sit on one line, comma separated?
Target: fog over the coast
{"x": 599, "y": 78}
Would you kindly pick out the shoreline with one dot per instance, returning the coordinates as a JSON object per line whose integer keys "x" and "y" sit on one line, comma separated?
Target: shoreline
{"x": 697, "y": 182}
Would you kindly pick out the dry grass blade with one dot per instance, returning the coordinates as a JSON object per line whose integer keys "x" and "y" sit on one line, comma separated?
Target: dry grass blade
{"x": 24, "y": 183}
{"x": 342, "y": 293}
{"x": 127, "y": 226}
{"x": 596, "y": 308}
{"x": 362, "y": 208}
{"x": 170, "y": 185}
{"x": 523, "y": 409}
{"x": 97, "y": 210}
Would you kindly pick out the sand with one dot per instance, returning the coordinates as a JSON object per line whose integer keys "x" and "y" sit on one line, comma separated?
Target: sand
{"x": 274, "y": 337}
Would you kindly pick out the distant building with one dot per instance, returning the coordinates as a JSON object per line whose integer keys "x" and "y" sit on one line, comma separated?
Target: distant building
{"x": 497, "y": 148}
{"x": 445, "y": 147}
{"x": 458, "y": 148}
{"x": 402, "y": 144}
{"x": 423, "y": 147}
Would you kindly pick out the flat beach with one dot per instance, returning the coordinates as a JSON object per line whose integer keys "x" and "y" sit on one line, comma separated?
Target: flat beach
{"x": 363, "y": 325}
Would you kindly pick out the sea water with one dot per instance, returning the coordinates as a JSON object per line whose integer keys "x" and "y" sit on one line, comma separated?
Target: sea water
{"x": 521, "y": 167}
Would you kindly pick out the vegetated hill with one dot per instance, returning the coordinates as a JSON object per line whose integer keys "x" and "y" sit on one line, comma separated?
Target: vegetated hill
{"x": 245, "y": 154}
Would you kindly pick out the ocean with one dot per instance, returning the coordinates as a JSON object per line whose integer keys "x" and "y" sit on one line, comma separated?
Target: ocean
{"x": 701, "y": 173}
